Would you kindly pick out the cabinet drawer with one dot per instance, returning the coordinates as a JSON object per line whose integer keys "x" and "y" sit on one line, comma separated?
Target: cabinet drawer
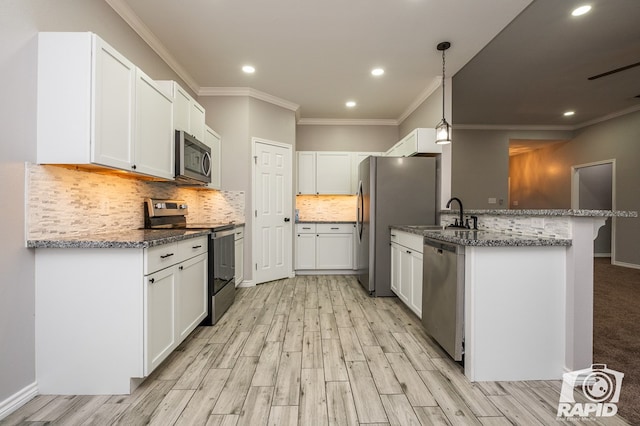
{"x": 406, "y": 239}
{"x": 160, "y": 257}
{"x": 239, "y": 233}
{"x": 305, "y": 228}
{"x": 334, "y": 228}
{"x": 192, "y": 247}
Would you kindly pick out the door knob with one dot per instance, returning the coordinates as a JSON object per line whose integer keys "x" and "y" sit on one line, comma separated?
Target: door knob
{"x": 286, "y": 219}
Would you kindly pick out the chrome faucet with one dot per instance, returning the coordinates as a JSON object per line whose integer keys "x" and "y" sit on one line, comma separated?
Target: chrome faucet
{"x": 459, "y": 224}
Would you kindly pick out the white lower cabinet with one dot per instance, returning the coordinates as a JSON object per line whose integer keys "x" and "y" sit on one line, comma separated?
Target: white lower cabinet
{"x": 175, "y": 297}
{"x": 117, "y": 315}
{"x": 323, "y": 246}
{"x": 239, "y": 255}
{"x": 406, "y": 269}
{"x": 160, "y": 317}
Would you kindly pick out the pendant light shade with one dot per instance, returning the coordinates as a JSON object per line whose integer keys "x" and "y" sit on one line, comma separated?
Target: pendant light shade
{"x": 443, "y": 129}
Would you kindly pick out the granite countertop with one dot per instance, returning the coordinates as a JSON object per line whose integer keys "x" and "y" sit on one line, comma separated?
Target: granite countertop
{"x": 326, "y": 221}
{"x": 468, "y": 237}
{"x": 547, "y": 212}
{"x": 136, "y": 238}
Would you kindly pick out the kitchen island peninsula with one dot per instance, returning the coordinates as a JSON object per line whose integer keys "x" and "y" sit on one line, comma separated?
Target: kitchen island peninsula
{"x": 528, "y": 290}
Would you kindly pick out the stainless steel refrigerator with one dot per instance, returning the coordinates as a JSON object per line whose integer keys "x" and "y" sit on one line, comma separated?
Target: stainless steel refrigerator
{"x": 391, "y": 191}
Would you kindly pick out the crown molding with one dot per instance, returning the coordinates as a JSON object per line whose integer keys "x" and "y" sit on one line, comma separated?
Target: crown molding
{"x": 609, "y": 117}
{"x": 134, "y": 21}
{"x": 534, "y": 127}
{"x": 428, "y": 91}
{"x": 248, "y": 91}
{"x": 346, "y": 122}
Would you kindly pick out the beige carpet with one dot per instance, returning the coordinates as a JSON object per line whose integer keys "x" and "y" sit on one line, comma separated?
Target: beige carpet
{"x": 616, "y": 330}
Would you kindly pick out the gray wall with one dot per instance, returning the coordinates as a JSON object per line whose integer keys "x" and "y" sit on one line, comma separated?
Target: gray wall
{"x": 238, "y": 120}
{"x": 481, "y": 164}
{"x": 613, "y": 139}
{"x": 20, "y": 20}
{"x": 346, "y": 138}
{"x": 595, "y": 192}
{"x": 428, "y": 114}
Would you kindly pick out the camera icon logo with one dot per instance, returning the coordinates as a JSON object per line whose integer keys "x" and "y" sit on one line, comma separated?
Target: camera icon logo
{"x": 600, "y": 386}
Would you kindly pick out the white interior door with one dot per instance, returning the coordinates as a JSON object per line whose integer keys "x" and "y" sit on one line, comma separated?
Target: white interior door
{"x": 272, "y": 210}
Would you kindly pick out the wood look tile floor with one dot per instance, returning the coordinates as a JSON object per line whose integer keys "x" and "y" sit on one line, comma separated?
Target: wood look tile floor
{"x": 311, "y": 350}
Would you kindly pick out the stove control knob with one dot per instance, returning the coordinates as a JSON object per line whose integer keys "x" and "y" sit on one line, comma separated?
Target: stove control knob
{"x": 158, "y": 205}
{"x": 183, "y": 206}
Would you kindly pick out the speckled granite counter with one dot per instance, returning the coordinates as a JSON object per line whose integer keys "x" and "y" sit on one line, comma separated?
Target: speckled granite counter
{"x": 482, "y": 238}
{"x": 136, "y": 238}
{"x": 547, "y": 212}
{"x": 326, "y": 221}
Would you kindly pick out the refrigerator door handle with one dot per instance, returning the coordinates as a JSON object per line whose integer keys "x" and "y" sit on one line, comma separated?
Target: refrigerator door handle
{"x": 360, "y": 216}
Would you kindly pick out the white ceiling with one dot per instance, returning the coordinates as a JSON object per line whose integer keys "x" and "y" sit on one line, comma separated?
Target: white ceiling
{"x": 313, "y": 56}
{"x": 319, "y": 54}
{"x": 537, "y": 68}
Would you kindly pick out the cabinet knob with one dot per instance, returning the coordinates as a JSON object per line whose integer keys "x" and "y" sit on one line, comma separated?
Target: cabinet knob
{"x": 133, "y": 167}
{"x": 181, "y": 267}
{"x": 287, "y": 219}
{"x": 152, "y": 280}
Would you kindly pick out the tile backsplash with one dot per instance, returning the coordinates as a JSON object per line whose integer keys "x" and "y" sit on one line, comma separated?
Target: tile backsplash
{"x": 65, "y": 202}
{"x": 327, "y": 208}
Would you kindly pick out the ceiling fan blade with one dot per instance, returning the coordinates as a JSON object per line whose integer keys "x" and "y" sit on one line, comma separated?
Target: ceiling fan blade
{"x": 604, "y": 74}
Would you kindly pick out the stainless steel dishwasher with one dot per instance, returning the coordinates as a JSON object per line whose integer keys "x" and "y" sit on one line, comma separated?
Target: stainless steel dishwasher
{"x": 443, "y": 295}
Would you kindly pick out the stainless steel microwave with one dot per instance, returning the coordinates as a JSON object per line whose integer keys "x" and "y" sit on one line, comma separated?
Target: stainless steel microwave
{"x": 193, "y": 159}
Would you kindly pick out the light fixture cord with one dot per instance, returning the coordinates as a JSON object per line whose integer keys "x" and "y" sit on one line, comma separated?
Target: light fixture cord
{"x": 443, "y": 92}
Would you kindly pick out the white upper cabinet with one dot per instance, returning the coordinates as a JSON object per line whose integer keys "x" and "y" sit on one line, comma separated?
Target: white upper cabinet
{"x": 306, "y": 172}
{"x": 419, "y": 141}
{"x": 154, "y": 153}
{"x": 188, "y": 115}
{"x": 88, "y": 107}
{"x": 333, "y": 172}
{"x": 213, "y": 141}
{"x": 329, "y": 172}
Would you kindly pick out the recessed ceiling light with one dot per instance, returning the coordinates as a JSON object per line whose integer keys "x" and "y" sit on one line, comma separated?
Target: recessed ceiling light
{"x": 350, "y": 104}
{"x": 569, "y": 113}
{"x": 581, "y": 10}
{"x": 248, "y": 69}
{"x": 377, "y": 72}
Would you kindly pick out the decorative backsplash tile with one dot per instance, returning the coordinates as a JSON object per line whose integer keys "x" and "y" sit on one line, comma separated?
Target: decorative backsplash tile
{"x": 339, "y": 208}
{"x": 65, "y": 201}
{"x": 557, "y": 227}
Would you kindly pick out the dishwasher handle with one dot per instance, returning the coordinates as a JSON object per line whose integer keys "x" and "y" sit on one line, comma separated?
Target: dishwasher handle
{"x": 441, "y": 246}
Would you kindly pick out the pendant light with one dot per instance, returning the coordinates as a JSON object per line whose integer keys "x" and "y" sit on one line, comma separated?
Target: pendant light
{"x": 443, "y": 129}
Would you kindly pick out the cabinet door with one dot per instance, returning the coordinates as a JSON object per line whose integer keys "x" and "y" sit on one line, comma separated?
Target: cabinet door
{"x": 396, "y": 254}
{"x": 181, "y": 108}
{"x": 159, "y": 317}
{"x": 153, "y": 151}
{"x": 113, "y": 93}
{"x": 306, "y": 251}
{"x": 196, "y": 120}
{"x": 192, "y": 294}
{"x": 306, "y": 172}
{"x": 406, "y": 269}
{"x": 415, "y": 297}
{"x": 355, "y": 247}
{"x": 334, "y": 251}
{"x": 333, "y": 173}
{"x": 212, "y": 139}
{"x": 239, "y": 258}
{"x": 356, "y": 158}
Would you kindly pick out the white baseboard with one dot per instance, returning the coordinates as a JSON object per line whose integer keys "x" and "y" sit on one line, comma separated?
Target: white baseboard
{"x": 327, "y": 272}
{"x": 246, "y": 283}
{"x": 601, "y": 254}
{"x": 18, "y": 399}
{"x": 626, "y": 265}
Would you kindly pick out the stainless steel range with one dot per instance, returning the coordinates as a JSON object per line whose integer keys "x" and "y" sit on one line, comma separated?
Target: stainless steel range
{"x": 172, "y": 214}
